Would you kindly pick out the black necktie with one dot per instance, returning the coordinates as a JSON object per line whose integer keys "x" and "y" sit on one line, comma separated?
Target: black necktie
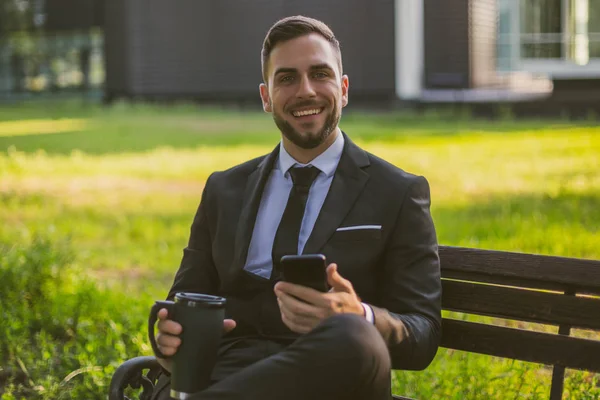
{"x": 286, "y": 238}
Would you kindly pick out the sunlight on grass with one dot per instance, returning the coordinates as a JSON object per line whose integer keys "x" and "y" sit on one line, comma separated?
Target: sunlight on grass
{"x": 41, "y": 126}
{"x": 521, "y": 191}
{"x": 460, "y": 169}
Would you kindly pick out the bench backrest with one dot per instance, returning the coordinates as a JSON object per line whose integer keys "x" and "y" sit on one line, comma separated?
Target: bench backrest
{"x": 558, "y": 291}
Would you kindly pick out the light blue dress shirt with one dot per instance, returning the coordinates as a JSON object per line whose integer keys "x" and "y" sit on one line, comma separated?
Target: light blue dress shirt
{"x": 274, "y": 200}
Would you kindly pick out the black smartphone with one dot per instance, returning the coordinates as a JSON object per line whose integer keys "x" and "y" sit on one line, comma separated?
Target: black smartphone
{"x": 306, "y": 270}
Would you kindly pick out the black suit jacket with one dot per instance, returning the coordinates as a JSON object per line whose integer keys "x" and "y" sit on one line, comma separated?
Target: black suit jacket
{"x": 395, "y": 269}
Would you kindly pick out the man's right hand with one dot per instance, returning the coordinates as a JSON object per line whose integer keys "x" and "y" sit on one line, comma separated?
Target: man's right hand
{"x": 168, "y": 340}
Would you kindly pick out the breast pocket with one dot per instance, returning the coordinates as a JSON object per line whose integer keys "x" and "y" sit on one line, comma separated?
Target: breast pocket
{"x": 356, "y": 235}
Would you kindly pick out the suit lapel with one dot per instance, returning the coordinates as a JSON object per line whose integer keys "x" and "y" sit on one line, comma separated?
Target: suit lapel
{"x": 253, "y": 191}
{"x": 348, "y": 182}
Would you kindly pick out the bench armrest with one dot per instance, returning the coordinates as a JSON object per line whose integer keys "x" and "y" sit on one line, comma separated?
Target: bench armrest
{"x": 131, "y": 373}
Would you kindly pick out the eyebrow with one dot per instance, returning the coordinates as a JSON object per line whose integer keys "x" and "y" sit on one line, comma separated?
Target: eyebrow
{"x": 284, "y": 70}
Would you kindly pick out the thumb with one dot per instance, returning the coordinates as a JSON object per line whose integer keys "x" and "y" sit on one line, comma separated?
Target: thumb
{"x": 228, "y": 325}
{"x": 336, "y": 281}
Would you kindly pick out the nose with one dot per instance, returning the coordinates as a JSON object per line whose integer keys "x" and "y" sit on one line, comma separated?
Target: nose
{"x": 305, "y": 89}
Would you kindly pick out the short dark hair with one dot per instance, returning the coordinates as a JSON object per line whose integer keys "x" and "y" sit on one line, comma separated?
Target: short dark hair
{"x": 293, "y": 27}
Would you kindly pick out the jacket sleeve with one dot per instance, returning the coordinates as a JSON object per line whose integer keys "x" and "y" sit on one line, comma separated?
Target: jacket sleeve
{"x": 411, "y": 284}
{"x": 197, "y": 272}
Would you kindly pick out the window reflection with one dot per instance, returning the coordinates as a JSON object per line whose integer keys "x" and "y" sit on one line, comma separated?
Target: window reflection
{"x": 541, "y": 16}
{"x": 51, "y": 46}
{"x": 594, "y": 28}
{"x": 560, "y": 29}
{"x": 541, "y": 27}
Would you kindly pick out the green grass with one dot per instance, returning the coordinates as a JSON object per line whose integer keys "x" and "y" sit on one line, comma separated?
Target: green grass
{"x": 66, "y": 333}
{"x": 122, "y": 185}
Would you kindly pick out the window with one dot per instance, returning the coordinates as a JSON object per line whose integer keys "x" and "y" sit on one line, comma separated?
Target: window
{"x": 560, "y": 29}
{"x": 541, "y": 28}
{"x": 594, "y": 28}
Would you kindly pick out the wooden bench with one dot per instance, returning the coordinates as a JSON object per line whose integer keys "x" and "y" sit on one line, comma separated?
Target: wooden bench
{"x": 560, "y": 292}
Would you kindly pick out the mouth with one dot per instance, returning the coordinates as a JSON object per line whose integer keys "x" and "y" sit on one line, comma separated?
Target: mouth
{"x": 308, "y": 113}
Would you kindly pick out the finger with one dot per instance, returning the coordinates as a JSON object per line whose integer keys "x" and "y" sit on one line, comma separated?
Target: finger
{"x": 228, "y": 325}
{"x": 307, "y": 321}
{"x": 298, "y": 307}
{"x": 168, "y": 340}
{"x": 307, "y": 316}
{"x": 163, "y": 314}
{"x": 169, "y": 327}
{"x": 168, "y": 344}
{"x": 336, "y": 281}
{"x": 332, "y": 303}
{"x": 306, "y": 294}
{"x": 293, "y": 326}
{"x": 167, "y": 351}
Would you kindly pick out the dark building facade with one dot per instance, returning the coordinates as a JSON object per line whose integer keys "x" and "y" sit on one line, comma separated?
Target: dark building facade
{"x": 211, "y": 49}
{"x": 460, "y": 43}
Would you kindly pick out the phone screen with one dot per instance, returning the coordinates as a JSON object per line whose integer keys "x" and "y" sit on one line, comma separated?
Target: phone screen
{"x": 306, "y": 270}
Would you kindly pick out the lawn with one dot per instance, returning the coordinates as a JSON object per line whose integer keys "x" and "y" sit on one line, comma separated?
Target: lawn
{"x": 120, "y": 186}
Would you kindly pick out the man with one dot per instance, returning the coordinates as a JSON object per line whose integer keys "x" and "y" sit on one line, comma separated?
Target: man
{"x": 370, "y": 219}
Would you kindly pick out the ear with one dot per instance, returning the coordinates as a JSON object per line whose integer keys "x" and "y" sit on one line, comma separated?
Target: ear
{"x": 345, "y": 85}
{"x": 264, "y": 95}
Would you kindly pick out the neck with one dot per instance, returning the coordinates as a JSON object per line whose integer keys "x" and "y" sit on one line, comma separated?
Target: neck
{"x": 304, "y": 156}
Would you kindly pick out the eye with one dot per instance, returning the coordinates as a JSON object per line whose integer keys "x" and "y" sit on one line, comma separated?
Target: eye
{"x": 321, "y": 75}
{"x": 286, "y": 79}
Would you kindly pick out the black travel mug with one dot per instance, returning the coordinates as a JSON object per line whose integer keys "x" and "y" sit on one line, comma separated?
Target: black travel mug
{"x": 201, "y": 317}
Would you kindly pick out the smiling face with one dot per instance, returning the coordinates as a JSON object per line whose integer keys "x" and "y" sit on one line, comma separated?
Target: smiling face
{"x": 305, "y": 92}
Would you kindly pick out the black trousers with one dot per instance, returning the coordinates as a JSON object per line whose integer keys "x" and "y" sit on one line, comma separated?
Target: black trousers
{"x": 342, "y": 358}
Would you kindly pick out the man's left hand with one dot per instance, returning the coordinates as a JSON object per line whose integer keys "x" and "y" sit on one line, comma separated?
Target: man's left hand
{"x": 303, "y": 308}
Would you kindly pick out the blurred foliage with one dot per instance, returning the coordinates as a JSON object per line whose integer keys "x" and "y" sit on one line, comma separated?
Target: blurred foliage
{"x": 18, "y": 15}
{"x": 63, "y": 335}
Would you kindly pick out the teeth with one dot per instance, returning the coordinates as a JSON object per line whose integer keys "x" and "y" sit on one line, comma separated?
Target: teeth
{"x": 306, "y": 112}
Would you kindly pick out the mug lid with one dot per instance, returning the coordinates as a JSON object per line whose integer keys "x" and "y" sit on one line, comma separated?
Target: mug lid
{"x": 199, "y": 299}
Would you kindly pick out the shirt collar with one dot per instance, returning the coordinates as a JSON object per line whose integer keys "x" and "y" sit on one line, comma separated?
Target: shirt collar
{"x": 326, "y": 162}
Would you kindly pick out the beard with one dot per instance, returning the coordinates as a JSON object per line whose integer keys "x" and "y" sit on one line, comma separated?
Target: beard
{"x": 309, "y": 139}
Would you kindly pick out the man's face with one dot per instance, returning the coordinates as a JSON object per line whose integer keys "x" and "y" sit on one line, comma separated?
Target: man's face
{"x": 305, "y": 90}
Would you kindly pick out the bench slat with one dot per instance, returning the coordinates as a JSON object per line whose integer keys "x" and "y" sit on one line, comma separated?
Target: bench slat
{"x": 508, "y": 281}
{"x": 521, "y": 304}
{"x": 538, "y": 271}
{"x": 522, "y": 345}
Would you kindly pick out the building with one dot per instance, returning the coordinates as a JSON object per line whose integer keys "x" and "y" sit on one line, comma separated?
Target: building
{"x": 534, "y": 55}
{"x": 210, "y": 50}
